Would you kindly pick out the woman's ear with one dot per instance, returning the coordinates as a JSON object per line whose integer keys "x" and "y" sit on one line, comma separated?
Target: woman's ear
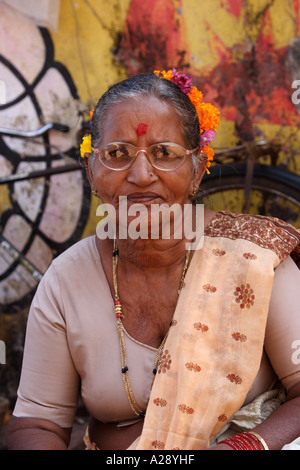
{"x": 87, "y": 164}
{"x": 197, "y": 177}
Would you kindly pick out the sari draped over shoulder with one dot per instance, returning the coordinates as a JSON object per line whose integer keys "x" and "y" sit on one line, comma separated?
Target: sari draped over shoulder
{"x": 214, "y": 347}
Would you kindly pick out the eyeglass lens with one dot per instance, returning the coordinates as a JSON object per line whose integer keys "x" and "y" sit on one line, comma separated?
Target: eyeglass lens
{"x": 162, "y": 156}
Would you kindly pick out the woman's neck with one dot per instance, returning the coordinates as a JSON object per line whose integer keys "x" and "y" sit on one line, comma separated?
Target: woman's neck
{"x": 147, "y": 254}
{"x": 152, "y": 254}
{"x": 158, "y": 253}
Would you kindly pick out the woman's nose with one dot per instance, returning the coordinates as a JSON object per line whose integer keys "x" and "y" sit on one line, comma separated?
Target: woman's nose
{"x": 141, "y": 170}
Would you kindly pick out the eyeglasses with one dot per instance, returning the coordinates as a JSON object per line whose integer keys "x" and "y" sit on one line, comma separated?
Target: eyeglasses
{"x": 120, "y": 156}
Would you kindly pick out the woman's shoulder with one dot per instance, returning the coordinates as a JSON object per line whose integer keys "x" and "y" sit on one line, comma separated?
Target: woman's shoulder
{"x": 84, "y": 249}
{"x": 267, "y": 232}
{"x": 223, "y": 220}
{"x": 72, "y": 271}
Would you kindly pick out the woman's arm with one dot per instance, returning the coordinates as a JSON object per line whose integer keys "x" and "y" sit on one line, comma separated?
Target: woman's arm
{"x": 36, "y": 434}
{"x": 49, "y": 385}
{"x": 281, "y": 427}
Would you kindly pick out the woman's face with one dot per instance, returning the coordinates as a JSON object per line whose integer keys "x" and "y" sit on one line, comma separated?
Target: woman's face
{"x": 143, "y": 123}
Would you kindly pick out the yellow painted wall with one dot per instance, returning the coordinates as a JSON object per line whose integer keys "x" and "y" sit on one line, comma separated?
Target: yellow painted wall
{"x": 84, "y": 41}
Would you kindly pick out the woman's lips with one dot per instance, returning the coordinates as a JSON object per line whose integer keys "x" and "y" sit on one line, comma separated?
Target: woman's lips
{"x": 142, "y": 198}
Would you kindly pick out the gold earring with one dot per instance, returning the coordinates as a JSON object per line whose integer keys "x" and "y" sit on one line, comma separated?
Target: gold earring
{"x": 195, "y": 190}
{"x": 95, "y": 193}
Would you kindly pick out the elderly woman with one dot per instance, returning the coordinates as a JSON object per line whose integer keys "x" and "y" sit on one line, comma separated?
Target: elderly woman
{"x": 169, "y": 343}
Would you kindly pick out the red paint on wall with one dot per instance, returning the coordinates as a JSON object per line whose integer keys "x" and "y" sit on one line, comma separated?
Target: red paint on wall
{"x": 153, "y": 37}
{"x": 235, "y": 7}
{"x": 216, "y": 44}
{"x": 296, "y": 6}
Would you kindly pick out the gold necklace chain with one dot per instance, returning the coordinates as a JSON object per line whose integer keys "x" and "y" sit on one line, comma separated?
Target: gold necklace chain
{"x": 119, "y": 314}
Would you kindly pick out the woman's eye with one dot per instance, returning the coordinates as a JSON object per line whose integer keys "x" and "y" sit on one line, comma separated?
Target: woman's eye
{"x": 118, "y": 153}
{"x": 161, "y": 151}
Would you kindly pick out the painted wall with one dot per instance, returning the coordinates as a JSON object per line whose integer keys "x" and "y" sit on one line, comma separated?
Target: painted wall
{"x": 243, "y": 54}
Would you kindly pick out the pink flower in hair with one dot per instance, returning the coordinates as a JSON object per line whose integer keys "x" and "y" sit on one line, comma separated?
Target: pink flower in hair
{"x": 182, "y": 80}
{"x": 207, "y": 137}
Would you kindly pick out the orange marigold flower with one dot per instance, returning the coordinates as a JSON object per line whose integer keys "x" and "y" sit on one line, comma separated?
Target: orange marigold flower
{"x": 209, "y": 116}
{"x": 91, "y": 114}
{"x": 163, "y": 74}
{"x": 209, "y": 152}
{"x": 210, "y": 156}
{"x": 195, "y": 96}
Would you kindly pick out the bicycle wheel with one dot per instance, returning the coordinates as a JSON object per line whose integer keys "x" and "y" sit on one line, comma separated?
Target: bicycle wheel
{"x": 274, "y": 192}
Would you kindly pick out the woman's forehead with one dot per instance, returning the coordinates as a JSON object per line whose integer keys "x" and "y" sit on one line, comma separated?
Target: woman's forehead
{"x": 141, "y": 118}
{"x": 138, "y": 109}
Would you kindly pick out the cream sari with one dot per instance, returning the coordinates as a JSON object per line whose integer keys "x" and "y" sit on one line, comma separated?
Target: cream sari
{"x": 214, "y": 348}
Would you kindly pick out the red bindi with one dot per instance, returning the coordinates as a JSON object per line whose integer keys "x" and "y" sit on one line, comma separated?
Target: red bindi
{"x": 141, "y": 129}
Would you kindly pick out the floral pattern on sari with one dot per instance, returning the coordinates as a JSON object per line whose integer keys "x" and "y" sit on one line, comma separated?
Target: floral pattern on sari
{"x": 221, "y": 318}
{"x": 267, "y": 232}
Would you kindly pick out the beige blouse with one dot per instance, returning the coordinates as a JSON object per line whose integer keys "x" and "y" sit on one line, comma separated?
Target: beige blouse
{"x": 72, "y": 344}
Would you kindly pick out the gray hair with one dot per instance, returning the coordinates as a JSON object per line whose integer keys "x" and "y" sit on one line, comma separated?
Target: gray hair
{"x": 145, "y": 85}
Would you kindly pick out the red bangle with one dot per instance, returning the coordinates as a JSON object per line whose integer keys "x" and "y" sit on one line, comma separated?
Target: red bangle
{"x": 255, "y": 441}
{"x": 259, "y": 440}
{"x": 233, "y": 443}
{"x": 245, "y": 441}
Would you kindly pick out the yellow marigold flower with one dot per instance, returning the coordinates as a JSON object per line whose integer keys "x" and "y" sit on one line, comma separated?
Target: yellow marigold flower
{"x": 86, "y": 145}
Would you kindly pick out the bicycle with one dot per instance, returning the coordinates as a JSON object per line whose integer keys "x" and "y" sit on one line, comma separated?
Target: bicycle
{"x": 19, "y": 276}
{"x": 31, "y": 135}
{"x": 239, "y": 182}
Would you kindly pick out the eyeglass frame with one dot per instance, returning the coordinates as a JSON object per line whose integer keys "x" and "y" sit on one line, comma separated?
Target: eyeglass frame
{"x": 144, "y": 149}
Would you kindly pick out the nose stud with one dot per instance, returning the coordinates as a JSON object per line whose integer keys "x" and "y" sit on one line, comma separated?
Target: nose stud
{"x": 151, "y": 173}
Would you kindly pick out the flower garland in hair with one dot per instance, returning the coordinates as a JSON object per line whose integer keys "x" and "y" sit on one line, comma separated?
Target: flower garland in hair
{"x": 86, "y": 145}
{"x": 209, "y": 116}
